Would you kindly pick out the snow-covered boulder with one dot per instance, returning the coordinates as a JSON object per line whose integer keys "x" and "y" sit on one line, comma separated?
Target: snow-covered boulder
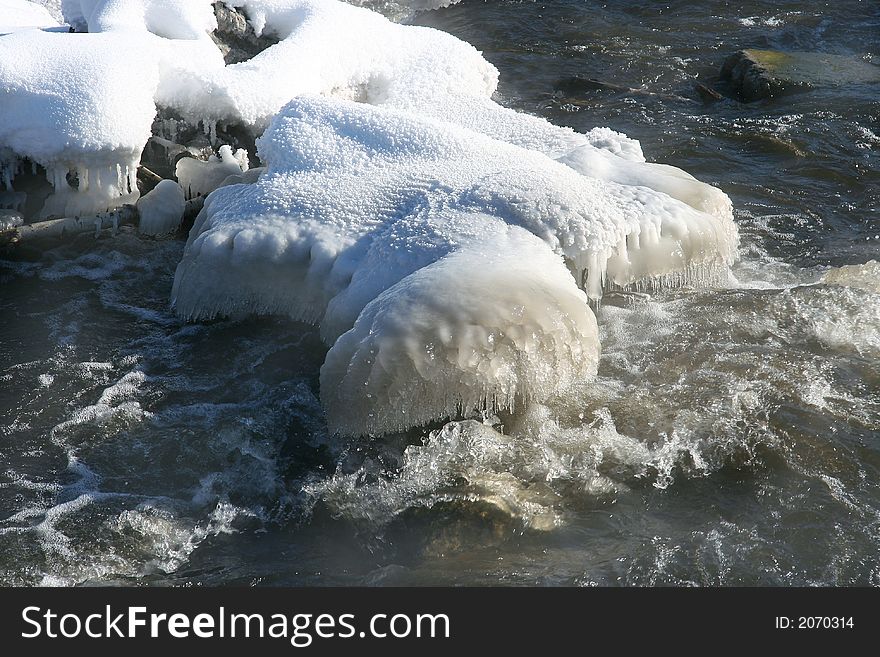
{"x": 442, "y": 265}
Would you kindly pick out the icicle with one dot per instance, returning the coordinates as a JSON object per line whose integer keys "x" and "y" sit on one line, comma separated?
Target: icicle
{"x": 210, "y": 129}
{"x": 98, "y": 224}
{"x": 132, "y": 178}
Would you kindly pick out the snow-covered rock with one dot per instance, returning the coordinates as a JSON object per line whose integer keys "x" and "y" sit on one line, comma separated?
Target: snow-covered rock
{"x": 161, "y": 211}
{"x": 200, "y": 178}
{"x": 393, "y": 232}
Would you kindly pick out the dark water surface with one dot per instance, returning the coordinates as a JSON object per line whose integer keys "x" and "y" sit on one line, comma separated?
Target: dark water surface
{"x": 732, "y": 436}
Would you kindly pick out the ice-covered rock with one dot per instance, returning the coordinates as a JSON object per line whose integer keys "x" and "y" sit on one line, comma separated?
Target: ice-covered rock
{"x": 394, "y": 232}
{"x": 200, "y": 178}
{"x": 496, "y": 322}
{"x": 335, "y": 49}
{"x": 161, "y": 211}
{"x": 78, "y": 113}
{"x": 446, "y": 245}
{"x": 326, "y": 47}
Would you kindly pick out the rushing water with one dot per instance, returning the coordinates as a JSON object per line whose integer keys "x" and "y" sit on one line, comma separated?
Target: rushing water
{"x": 732, "y": 435}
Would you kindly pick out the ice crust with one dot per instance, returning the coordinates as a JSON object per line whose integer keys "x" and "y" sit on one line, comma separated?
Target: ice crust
{"x": 326, "y": 47}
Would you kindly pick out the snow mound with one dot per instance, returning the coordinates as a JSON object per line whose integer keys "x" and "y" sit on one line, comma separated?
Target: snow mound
{"x": 72, "y": 109}
{"x": 326, "y": 48}
{"x": 20, "y": 14}
{"x": 350, "y": 223}
{"x": 161, "y": 211}
{"x": 335, "y": 49}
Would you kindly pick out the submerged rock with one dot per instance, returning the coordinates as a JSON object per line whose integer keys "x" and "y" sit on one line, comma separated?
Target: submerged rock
{"x": 759, "y": 74}
{"x": 577, "y": 85}
{"x": 707, "y": 94}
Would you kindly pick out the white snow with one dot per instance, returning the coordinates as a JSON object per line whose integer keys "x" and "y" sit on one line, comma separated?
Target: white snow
{"x": 20, "y": 14}
{"x": 328, "y": 48}
{"x": 71, "y": 108}
{"x": 161, "y": 211}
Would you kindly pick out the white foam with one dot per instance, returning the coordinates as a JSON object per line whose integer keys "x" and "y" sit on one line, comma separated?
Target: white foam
{"x": 866, "y": 276}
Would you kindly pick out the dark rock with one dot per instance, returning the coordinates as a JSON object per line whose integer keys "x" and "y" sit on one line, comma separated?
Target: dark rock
{"x": 774, "y": 145}
{"x": 759, "y": 74}
{"x": 147, "y": 180}
{"x": 161, "y": 156}
{"x": 575, "y": 88}
{"x": 577, "y": 85}
{"x": 235, "y": 37}
{"x": 707, "y": 94}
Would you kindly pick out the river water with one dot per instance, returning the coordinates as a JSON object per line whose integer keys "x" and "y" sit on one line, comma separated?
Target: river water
{"x": 732, "y": 435}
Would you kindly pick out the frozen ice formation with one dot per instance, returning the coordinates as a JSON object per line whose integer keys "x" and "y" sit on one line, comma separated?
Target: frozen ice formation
{"x": 81, "y": 106}
{"x": 72, "y": 109}
{"x": 441, "y": 264}
{"x": 447, "y": 246}
{"x": 161, "y": 211}
{"x": 199, "y": 178}
{"x": 326, "y": 47}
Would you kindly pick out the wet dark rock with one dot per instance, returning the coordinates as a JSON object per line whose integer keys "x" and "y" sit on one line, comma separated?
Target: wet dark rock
{"x": 707, "y": 94}
{"x": 235, "y": 37}
{"x": 11, "y": 200}
{"x": 773, "y": 145}
{"x": 162, "y": 155}
{"x": 449, "y": 527}
{"x": 575, "y": 88}
{"x": 577, "y": 85}
{"x": 759, "y": 74}
{"x": 147, "y": 180}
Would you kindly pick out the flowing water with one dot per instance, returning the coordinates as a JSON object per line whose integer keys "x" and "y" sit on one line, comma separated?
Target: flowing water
{"x": 731, "y": 437}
